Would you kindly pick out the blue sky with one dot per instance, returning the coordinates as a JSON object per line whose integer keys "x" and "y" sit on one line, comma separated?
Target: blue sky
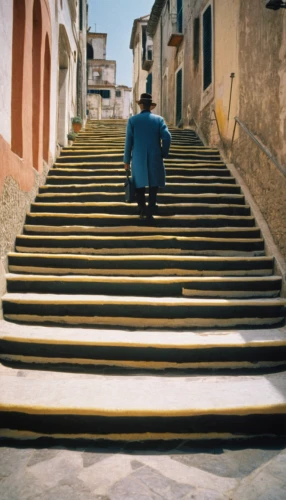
{"x": 115, "y": 17}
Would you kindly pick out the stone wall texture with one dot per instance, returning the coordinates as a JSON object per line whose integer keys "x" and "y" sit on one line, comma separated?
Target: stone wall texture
{"x": 14, "y": 205}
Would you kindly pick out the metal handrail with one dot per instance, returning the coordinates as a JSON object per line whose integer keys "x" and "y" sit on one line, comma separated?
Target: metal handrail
{"x": 215, "y": 119}
{"x": 263, "y": 148}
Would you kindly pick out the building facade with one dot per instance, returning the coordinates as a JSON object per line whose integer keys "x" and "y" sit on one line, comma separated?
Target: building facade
{"x": 42, "y": 66}
{"x": 105, "y": 99}
{"x": 141, "y": 45}
{"x": 214, "y": 60}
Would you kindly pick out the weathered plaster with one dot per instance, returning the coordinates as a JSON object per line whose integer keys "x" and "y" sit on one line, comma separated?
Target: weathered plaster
{"x": 6, "y": 16}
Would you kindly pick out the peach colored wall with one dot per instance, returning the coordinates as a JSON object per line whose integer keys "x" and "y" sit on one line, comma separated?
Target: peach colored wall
{"x": 21, "y": 169}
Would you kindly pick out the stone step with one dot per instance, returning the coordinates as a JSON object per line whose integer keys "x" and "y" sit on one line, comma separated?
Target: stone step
{"x": 136, "y": 265}
{"x": 143, "y": 349}
{"x": 119, "y": 148}
{"x": 218, "y": 232}
{"x": 217, "y": 287}
{"x": 145, "y": 312}
{"x": 141, "y": 244}
{"x": 163, "y": 197}
{"x": 60, "y": 405}
{"x": 113, "y": 219}
{"x": 115, "y": 158}
{"x": 179, "y": 175}
{"x": 128, "y": 209}
{"x": 102, "y": 155}
{"x": 170, "y": 188}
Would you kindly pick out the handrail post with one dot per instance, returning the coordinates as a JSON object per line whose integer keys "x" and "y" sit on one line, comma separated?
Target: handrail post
{"x": 217, "y": 125}
{"x": 233, "y": 133}
{"x": 261, "y": 146}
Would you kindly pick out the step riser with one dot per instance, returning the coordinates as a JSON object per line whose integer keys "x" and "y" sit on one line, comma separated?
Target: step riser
{"x": 124, "y": 427}
{"x": 162, "y": 198}
{"x": 79, "y": 156}
{"x": 112, "y": 172}
{"x": 153, "y": 265}
{"x": 158, "y": 323}
{"x": 160, "y": 311}
{"x": 93, "y": 177}
{"x": 127, "y": 356}
{"x": 227, "y": 290}
{"x": 102, "y": 231}
{"x": 187, "y": 189}
{"x": 130, "y": 209}
{"x": 88, "y": 364}
{"x": 106, "y": 221}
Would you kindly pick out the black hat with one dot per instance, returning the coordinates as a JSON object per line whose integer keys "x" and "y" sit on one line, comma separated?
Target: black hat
{"x": 147, "y": 99}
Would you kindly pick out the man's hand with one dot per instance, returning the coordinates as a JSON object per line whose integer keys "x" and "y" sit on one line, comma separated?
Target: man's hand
{"x": 126, "y": 166}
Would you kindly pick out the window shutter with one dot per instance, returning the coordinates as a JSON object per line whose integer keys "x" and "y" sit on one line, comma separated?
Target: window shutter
{"x": 180, "y": 16}
{"x": 207, "y": 46}
{"x": 149, "y": 84}
{"x": 179, "y": 92}
{"x": 196, "y": 41}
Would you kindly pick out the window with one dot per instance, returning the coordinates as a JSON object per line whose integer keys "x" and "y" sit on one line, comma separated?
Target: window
{"x": 89, "y": 52}
{"x": 105, "y": 94}
{"x": 207, "y": 47}
{"x": 144, "y": 40}
{"x": 180, "y": 16}
{"x": 118, "y": 93}
{"x": 150, "y": 54}
{"x": 149, "y": 84}
{"x": 196, "y": 46}
{"x": 80, "y": 15}
{"x": 179, "y": 96}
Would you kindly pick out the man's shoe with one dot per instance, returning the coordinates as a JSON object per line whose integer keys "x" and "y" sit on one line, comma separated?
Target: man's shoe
{"x": 142, "y": 213}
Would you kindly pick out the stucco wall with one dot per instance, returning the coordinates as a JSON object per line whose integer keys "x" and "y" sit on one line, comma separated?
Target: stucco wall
{"x": 6, "y": 16}
{"x": 94, "y": 106}
{"x": 262, "y": 107}
{"x": 101, "y": 72}
{"x": 139, "y": 74}
{"x": 22, "y": 172}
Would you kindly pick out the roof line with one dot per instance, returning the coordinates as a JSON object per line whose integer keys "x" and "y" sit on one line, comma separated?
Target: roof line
{"x": 131, "y": 45}
{"x": 155, "y": 16}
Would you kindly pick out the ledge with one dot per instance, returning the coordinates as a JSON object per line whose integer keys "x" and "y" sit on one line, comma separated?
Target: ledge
{"x": 175, "y": 39}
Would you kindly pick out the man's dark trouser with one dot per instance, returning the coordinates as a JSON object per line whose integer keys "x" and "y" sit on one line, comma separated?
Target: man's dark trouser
{"x": 140, "y": 193}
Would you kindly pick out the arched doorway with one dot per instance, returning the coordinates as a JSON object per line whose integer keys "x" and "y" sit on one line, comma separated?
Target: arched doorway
{"x": 47, "y": 79}
{"x": 36, "y": 79}
{"x": 19, "y": 20}
{"x": 64, "y": 50}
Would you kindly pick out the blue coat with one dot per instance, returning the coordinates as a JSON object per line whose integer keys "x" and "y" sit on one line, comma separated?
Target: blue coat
{"x": 147, "y": 143}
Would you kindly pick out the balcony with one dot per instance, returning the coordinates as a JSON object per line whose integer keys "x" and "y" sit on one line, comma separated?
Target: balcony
{"x": 176, "y": 36}
{"x": 147, "y": 59}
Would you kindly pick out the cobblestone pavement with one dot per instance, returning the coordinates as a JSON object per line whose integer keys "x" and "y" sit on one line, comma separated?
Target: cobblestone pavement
{"x": 168, "y": 471}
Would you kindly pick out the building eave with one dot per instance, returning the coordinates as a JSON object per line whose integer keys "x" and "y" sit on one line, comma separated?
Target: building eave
{"x": 155, "y": 16}
{"x": 134, "y": 28}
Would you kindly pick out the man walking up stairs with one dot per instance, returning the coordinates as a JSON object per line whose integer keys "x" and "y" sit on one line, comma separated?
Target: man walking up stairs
{"x": 186, "y": 311}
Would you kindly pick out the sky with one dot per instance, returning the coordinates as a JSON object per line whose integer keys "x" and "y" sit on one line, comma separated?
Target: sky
{"x": 116, "y": 17}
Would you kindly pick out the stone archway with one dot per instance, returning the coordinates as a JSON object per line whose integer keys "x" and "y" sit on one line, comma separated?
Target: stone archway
{"x": 19, "y": 21}
{"x": 63, "y": 82}
{"x": 47, "y": 80}
{"x": 36, "y": 79}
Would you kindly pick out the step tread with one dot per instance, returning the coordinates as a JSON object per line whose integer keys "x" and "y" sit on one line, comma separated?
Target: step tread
{"x": 152, "y": 237}
{"x": 190, "y": 258}
{"x": 140, "y": 279}
{"x": 138, "y": 300}
{"x": 142, "y": 338}
{"x": 44, "y": 393}
{"x": 139, "y": 229}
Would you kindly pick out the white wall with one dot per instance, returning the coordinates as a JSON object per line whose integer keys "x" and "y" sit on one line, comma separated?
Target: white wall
{"x": 6, "y": 33}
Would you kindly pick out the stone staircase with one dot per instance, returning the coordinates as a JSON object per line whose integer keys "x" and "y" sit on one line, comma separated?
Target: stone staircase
{"x": 131, "y": 330}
